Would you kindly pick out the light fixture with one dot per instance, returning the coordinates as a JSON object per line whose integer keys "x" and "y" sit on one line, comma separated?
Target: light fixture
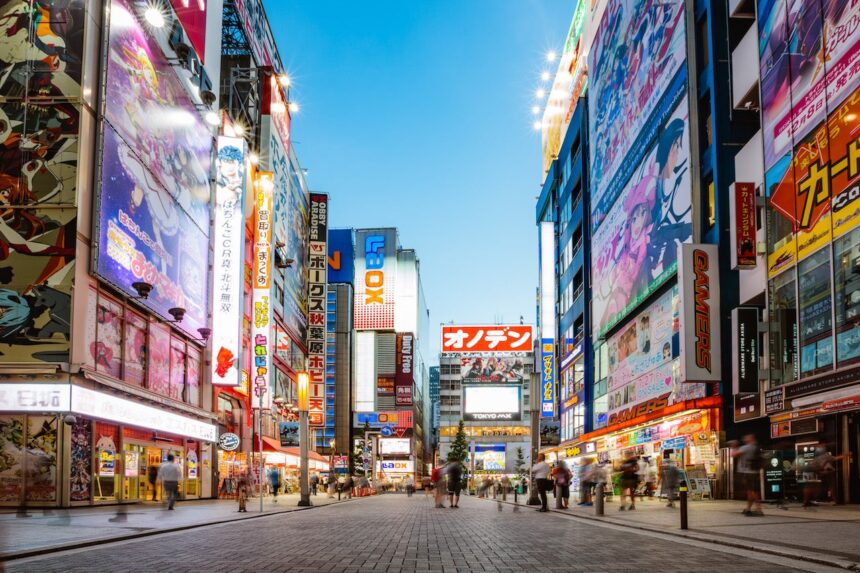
{"x": 294, "y": 107}
{"x": 177, "y": 312}
{"x": 535, "y": 109}
{"x": 304, "y": 380}
{"x": 544, "y": 76}
{"x": 154, "y": 16}
{"x": 551, "y": 56}
{"x": 284, "y": 79}
{"x": 851, "y": 117}
{"x": 540, "y": 93}
{"x": 212, "y": 118}
{"x": 254, "y": 158}
{"x": 238, "y": 129}
{"x": 142, "y": 288}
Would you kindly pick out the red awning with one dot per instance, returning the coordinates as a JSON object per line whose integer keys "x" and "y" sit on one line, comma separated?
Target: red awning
{"x": 273, "y": 445}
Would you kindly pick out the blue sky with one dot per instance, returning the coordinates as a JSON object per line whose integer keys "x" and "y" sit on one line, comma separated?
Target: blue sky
{"x": 417, "y": 115}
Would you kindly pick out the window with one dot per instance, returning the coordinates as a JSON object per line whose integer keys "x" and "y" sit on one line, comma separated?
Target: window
{"x": 177, "y": 368}
{"x": 192, "y": 377}
{"x": 106, "y": 350}
{"x": 704, "y": 48}
{"x": 134, "y": 359}
{"x": 815, "y": 312}
{"x": 783, "y": 328}
{"x": 846, "y": 259}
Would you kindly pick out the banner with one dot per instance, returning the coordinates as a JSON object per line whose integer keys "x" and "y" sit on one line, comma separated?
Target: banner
{"x": 317, "y": 265}
{"x": 289, "y": 434}
{"x": 261, "y": 322}
{"x": 742, "y": 213}
{"x": 229, "y": 245}
{"x": 547, "y": 379}
{"x": 404, "y": 376}
{"x": 492, "y": 369}
{"x": 745, "y": 350}
{"x": 699, "y": 283}
{"x": 375, "y": 269}
{"x": 490, "y": 338}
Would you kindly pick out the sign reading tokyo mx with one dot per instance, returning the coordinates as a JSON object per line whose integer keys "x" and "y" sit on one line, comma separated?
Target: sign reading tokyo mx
{"x": 374, "y": 277}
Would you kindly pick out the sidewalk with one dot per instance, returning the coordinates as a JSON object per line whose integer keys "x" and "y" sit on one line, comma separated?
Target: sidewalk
{"x": 823, "y": 534}
{"x": 57, "y": 529}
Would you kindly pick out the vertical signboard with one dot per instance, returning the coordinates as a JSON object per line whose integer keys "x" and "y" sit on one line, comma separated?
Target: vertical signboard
{"x": 375, "y": 268}
{"x": 547, "y": 379}
{"x": 745, "y": 350}
{"x": 547, "y": 280}
{"x": 228, "y": 243}
{"x": 700, "y": 312}
{"x": 261, "y": 323}
{"x": 341, "y": 254}
{"x": 743, "y": 215}
{"x": 403, "y": 378}
{"x": 317, "y": 264}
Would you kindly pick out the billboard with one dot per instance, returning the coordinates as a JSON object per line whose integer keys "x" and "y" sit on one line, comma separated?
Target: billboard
{"x": 289, "y": 433}
{"x": 375, "y": 267}
{"x": 229, "y": 245}
{"x": 153, "y": 213}
{"x": 489, "y": 338}
{"x": 637, "y": 75}
{"x": 809, "y": 64}
{"x": 742, "y": 212}
{"x": 395, "y": 446}
{"x": 492, "y": 369}
{"x": 745, "y": 349}
{"x": 341, "y": 254}
{"x": 490, "y": 457}
{"x": 390, "y": 418}
{"x": 317, "y": 254}
{"x": 699, "y": 283}
{"x": 404, "y": 376}
{"x": 634, "y": 251}
{"x": 396, "y": 466}
{"x": 261, "y": 280}
{"x": 492, "y": 403}
{"x": 547, "y": 378}
{"x": 258, "y": 33}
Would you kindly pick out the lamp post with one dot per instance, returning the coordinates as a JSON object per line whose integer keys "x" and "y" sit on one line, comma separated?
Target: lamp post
{"x": 304, "y": 494}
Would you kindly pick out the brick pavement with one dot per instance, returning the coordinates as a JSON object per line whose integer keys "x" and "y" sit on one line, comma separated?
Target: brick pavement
{"x": 395, "y": 533}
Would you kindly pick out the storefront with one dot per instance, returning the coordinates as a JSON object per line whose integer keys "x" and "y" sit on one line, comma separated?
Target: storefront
{"x": 62, "y": 444}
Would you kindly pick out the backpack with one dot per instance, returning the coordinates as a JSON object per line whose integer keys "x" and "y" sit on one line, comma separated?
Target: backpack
{"x": 755, "y": 459}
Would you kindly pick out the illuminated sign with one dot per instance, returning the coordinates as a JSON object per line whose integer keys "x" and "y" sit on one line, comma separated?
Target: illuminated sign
{"x": 640, "y": 409}
{"x": 341, "y": 252}
{"x": 34, "y": 397}
{"x": 228, "y": 441}
{"x": 490, "y": 338}
{"x": 700, "y": 318}
{"x": 376, "y": 420}
{"x": 228, "y": 246}
{"x": 742, "y": 213}
{"x": 375, "y": 260}
{"x": 745, "y": 350}
{"x": 317, "y": 279}
{"x": 397, "y": 467}
{"x": 395, "y": 446}
{"x": 403, "y": 378}
{"x": 547, "y": 397}
{"x": 261, "y": 315}
{"x": 486, "y": 402}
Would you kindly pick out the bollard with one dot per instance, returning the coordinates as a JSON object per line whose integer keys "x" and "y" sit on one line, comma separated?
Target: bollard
{"x": 516, "y": 491}
{"x": 683, "y": 507}
{"x": 598, "y": 499}
{"x": 558, "y": 503}
{"x": 338, "y": 493}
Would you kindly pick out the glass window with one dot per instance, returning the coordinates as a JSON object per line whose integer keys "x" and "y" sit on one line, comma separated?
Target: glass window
{"x": 134, "y": 360}
{"x": 177, "y": 368}
{"x": 816, "y": 313}
{"x": 107, "y": 350}
{"x": 192, "y": 377}
{"x": 783, "y": 329}
{"x": 159, "y": 359}
{"x": 846, "y": 259}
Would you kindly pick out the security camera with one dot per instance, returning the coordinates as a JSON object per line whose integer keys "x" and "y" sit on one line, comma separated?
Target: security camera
{"x": 69, "y": 419}
{"x": 207, "y": 97}
{"x": 143, "y": 288}
{"x": 205, "y": 333}
{"x": 178, "y": 313}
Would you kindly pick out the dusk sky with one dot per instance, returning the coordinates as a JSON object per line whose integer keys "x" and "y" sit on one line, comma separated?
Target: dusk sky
{"x": 417, "y": 115}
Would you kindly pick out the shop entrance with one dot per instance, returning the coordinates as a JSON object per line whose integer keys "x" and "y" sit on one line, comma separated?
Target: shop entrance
{"x": 140, "y": 471}
{"x": 852, "y": 467}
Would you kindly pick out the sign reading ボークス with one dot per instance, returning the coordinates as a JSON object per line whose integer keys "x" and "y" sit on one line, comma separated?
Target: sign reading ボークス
{"x": 317, "y": 278}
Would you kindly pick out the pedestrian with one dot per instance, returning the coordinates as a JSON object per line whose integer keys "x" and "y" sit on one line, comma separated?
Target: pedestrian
{"x": 669, "y": 483}
{"x": 629, "y": 482}
{"x": 603, "y": 478}
{"x": 331, "y": 483}
{"x": 152, "y": 478}
{"x": 749, "y": 467}
{"x": 170, "y": 474}
{"x": 425, "y": 486}
{"x": 540, "y": 474}
{"x": 410, "y": 486}
{"x": 243, "y": 485}
{"x": 348, "y": 484}
{"x": 455, "y": 483}
{"x": 562, "y": 475}
{"x": 315, "y": 483}
{"x": 586, "y": 480}
{"x": 823, "y": 464}
{"x": 437, "y": 478}
{"x": 275, "y": 482}
{"x": 524, "y": 484}
{"x": 363, "y": 486}
{"x": 642, "y": 477}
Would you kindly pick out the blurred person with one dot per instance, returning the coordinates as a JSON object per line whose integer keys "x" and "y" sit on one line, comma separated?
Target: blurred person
{"x": 669, "y": 483}
{"x": 749, "y": 466}
{"x": 275, "y": 482}
{"x": 540, "y": 473}
{"x": 169, "y": 474}
{"x": 152, "y": 478}
{"x": 603, "y": 477}
{"x": 243, "y": 486}
{"x": 824, "y": 465}
{"x": 455, "y": 483}
{"x": 437, "y": 478}
{"x": 315, "y": 483}
{"x": 425, "y": 486}
{"x": 363, "y": 486}
{"x": 348, "y": 484}
{"x": 586, "y": 480}
{"x": 562, "y": 475}
{"x": 629, "y": 481}
{"x": 410, "y": 486}
{"x": 331, "y": 482}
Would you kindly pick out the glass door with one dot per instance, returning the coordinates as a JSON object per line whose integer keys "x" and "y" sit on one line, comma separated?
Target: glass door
{"x": 131, "y": 472}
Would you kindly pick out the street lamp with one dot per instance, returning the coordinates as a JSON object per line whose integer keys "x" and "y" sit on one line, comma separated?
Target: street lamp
{"x": 304, "y": 494}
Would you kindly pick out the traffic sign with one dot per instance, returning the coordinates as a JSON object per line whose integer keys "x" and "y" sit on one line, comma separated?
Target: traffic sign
{"x": 386, "y": 431}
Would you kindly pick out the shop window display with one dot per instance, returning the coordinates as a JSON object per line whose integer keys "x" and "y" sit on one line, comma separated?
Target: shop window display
{"x": 159, "y": 359}
{"x": 81, "y": 464}
{"x": 106, "y": 461}
{"x": 846, "y": 257}
{"x": 177, "y": 368}
{"x": 41, "y": 459}
{"x": 134, "y": 360}
{"x": 11, "y": 458}
{"x": 816, "y": 313}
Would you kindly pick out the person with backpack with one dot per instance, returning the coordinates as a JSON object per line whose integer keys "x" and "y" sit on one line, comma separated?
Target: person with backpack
{"x": 562, "y": 475}
{"x": 749, "y": 461}
{"x": 629, "y": 482}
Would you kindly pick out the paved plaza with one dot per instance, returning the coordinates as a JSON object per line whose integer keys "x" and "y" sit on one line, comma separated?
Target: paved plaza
{"x": 398, "y": 533}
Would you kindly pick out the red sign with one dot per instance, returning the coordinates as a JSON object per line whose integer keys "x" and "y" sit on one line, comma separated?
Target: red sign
{"x": 384, "y": 386}
{"x": 489, "y": 338}
{"x": 403, "y": 379}
{"x": 192, "y": 16}
{"x": 745, "y": 226}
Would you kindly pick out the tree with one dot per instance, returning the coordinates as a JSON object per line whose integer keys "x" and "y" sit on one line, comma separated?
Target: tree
{"x": 520, "y": 465}
{"x": 460, "y": 448}
{"x": 358, "y": 452}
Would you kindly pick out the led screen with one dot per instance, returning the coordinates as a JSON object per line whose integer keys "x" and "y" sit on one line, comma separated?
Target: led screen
{"x": 492, "y": 402}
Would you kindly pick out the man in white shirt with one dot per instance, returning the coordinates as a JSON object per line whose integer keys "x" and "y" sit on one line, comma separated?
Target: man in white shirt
{"x": 540, "y": 474}
{"x": 170, "y": 474}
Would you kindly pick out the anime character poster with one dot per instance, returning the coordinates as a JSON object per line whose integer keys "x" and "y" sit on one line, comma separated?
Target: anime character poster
{"x": 41, "y": 459}
{"x": 635, "y": 249}
{"x": 80, "y": 472}
{"x": 41, "y": 44}
{"x": 492, "y": 369}
{"x": 810, "y": 60}
{"x": 636, "y": 61}
{"x": 11, "y": 458}
{"x": 154, "y": 198}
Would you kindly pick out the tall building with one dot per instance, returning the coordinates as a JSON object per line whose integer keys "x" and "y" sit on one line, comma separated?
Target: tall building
{"x": 390, "y": 375}
{"x": 484, "y": 374}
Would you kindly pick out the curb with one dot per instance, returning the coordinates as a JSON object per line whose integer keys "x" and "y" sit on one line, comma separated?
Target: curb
{"x": 14, "y": 556}
{"x": 715, "y": 540}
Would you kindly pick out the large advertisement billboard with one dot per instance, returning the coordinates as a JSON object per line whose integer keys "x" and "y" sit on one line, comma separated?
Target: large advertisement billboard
{"x": 492, "y": 403}
{"x": 261, "y": 315}
{"x": 229, "y": 244}
{"x": 375, "y": 269}
{"x": 489, "y": 338}
{"x": 635, "y": 249}
{"x": 153, "y": 215}
{"x": 492, "y": 369}
{"x": 637, "y": 75}
{"x": 341, "y": 255}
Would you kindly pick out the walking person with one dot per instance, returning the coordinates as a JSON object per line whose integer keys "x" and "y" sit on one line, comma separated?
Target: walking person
{"x": 410, "y": 486}
{"x": 586, "y": 480}
{"x": 540, "y": 473}
{"x": 348, "y": 484}
{"x": 243, "y": 486}
{"x": 669, "y": 483}
{"x": 437, "y": 479}
{"x": 455, "y": 483}
{"x": 152, "y": 478}
{"x": 275, "y": 482}
{"x": 749, "y": 467}
{"x": 315, "y": 483}
{"x": 562, "y": 475}
{"x": 170, "y": 474}
{"x": 629, "y": 481}
{"x": 331, "y": 483}
{"x": 824, "y": 466}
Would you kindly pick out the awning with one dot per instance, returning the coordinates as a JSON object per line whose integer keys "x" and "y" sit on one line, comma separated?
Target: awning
{"x": 292, "y": 453}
